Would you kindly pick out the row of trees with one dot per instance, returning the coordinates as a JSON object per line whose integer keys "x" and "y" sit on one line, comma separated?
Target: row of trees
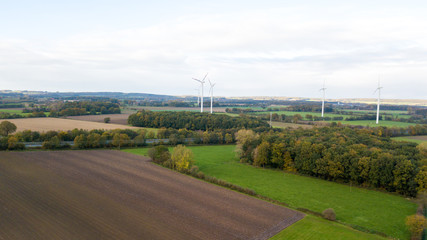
{"x": 83, "y": 108}
{"x": 4, "y": 115}
{"x": 192, "y": 120}
{"x": 340, "y": 154}
{"x": 111, "y": 138}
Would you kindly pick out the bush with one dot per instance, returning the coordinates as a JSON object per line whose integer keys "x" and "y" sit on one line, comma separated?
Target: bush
{"x": 329, "y": 214}
{"x": 160, "y": 154}
{"x": 416, "y": 224}
{"x": 107, "y": 120}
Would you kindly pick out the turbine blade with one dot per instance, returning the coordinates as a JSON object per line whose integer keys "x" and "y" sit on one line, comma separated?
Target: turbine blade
{"x": 205, "y": 77}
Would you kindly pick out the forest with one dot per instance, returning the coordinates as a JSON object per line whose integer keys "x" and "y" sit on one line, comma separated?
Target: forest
{"x": 341, "y": 154}
{"x": 192, "y": 120}
{"x": 83, "y": 108}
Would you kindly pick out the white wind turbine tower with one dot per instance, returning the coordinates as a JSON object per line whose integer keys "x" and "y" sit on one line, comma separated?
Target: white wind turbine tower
{"x": 201, "y": 82}
{"x": 323, "y": 98}
{"x": 379, "y": 97}
{"x": 211, "y": 91}
{"x": 198, "y": 96}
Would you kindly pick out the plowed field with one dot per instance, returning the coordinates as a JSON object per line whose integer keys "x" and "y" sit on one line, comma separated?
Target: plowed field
{"x": 115, "y": 195}
{"x": 114, "y": 118}
{"x": 60, "y": 124}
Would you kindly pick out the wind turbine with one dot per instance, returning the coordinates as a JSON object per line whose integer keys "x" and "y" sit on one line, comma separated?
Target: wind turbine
{"x": 323, "y": 98}
{"x": 201, "y": 82}
{"x": 211, "y": 91}
{"x": 198, "y": 96}
{"x": 379, "y": 97}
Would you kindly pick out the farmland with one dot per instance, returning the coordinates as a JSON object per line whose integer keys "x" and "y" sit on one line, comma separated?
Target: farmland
{"x": 115, "y": 195}
{"x": 357, "y": 206}
{"x": 47, "y": 124}
{"x": 415, "y": 139}
{"x": 371, "y": 123}
{"x": 114, "y": 118}
{"x": 290, "y": 125}
{"x": 312, "y": 227}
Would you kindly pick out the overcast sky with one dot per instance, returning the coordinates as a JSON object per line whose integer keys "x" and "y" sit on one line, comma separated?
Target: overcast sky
{"x": 249, "y": 48}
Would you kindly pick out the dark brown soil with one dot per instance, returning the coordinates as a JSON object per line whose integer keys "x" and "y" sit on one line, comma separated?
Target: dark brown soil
{"x": 115, "y": 195}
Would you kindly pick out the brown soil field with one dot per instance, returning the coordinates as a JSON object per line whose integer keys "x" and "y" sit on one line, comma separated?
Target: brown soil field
{"x": 47, "y": 124}
{"x": 423, "y": 138}
{"x": 291, "y": 125}
{"x": 108, "y": 194}
{"x": 115, "y": 118}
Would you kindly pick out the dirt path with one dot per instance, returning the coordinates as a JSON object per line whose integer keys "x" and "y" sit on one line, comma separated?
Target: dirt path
{"x": 115, "y": 195}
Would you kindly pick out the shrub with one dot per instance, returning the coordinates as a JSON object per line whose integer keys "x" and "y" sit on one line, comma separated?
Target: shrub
{"x": 182, "y": 158}
{"x": 200, "y": 175}
{"x": 107, "y": 120}
{"x": 160, "y": 154}
{"x": 416, "y": 224}
{"x": 329, "y": 214}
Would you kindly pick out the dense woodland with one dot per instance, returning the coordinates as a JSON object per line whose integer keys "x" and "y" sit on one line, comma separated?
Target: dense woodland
{"x": 340, "y": 154}
{"x": 83, "y": 108}
{"x": 192, "y": 120}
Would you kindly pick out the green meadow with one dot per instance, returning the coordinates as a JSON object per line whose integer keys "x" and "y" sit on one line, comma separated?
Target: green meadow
{"x": 369, "y": 209}
{"x": 372, "y": 123}
{"x": 312, "y": 227}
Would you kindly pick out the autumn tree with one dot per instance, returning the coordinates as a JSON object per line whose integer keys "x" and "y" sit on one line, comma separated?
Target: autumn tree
{"x": 182, "y": 158}
{"x": 247, "y": 140}
{"x": 80, "y": 141}
{"x": 7, "y": 128}
{"x": 120, "y": 140}
{"x": 277, "y": 155}
{"x": 262, "y": 154}
{"x": 159, "y": 154}
{"x": 228, "y": 138}
{"x": 416, "y": 224}
{"x": 53, "y": 143}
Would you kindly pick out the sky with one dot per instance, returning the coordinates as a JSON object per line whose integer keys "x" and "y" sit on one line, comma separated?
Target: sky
{"x": 248, "y": 48}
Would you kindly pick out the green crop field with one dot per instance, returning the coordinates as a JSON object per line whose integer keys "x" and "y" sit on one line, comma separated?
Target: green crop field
{"x": 415, "y": 139}
{"x": 312, "y": 227}
{"x": 290, "y": 113}
{"x": 14, "y": 111}
{"x": 370, "y": 209}
{"x": 371, "y": 123}
{"x": 17, "y": 111}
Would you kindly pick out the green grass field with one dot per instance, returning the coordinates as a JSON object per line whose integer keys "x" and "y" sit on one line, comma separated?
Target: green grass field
{"x": 415, "y": 139}
{"x": 370, "y": 209}
{"x": 371, "y": 123}
{"x": 18, "y": 111}
{"x": 400, "y": 114}
{"x": 289, "y": 113}
{"x": 14, "y": 111}
{"x": 395, "y": 113}
{"x": 312, "y": 227}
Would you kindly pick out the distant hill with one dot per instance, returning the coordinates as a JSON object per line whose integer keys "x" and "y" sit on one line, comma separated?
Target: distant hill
{"x": 71, "y": 95}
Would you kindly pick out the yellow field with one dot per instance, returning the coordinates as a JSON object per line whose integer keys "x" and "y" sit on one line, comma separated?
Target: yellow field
{"x": 47, "y": 124}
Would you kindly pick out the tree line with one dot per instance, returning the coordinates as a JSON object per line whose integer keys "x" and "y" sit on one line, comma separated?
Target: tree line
{"x": 78, "y": 108}
{"x": 339, "y": 154}
{"x": 98, "y": 138}
{"x": 192, "y": 120}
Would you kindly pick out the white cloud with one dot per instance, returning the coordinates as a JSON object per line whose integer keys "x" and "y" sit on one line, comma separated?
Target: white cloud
{"x": 282, "y": 52}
